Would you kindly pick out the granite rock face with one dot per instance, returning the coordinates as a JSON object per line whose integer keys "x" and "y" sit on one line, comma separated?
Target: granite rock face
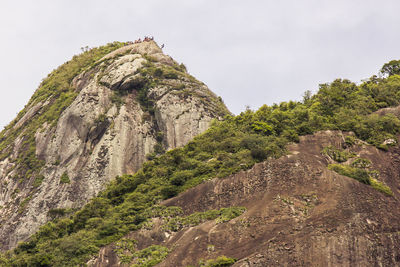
{"x": 121, "y": 114}
{"x": 299, "y": 213}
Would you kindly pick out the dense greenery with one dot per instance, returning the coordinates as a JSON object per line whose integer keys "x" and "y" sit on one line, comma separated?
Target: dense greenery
{"x": 229, "y": 146}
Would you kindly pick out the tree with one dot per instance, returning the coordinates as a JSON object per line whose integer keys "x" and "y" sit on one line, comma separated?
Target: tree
{"x": 391, "y": 68}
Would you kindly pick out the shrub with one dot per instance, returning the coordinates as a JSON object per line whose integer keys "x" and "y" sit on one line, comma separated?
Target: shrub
{"x": 361, "y": 163}
{"x": 350, "y": 140}
{"x": 169, "y": 191}
{"x": 158, "y": 72}
{"x": 221, "y": 261}
{"x": 381, "y": 187}
{"x": 180, "y": 177}
{"x": 355, "y": 173}
{"x": 337, "y": 154}
{"x": 150, "y": 256}
{"x": 54, "y": 213}
{"x": 170, "y": 74}
{"x": 64, "y": 179}
{"x": 38, "y": 181}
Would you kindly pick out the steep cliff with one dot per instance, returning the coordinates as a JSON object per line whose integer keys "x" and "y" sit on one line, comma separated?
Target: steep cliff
{"x": 97, "y": 116}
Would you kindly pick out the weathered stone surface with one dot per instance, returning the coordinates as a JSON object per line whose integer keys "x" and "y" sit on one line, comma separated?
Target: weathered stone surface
{"x": 299, "y": 213}
{"x": 96, "y": 138}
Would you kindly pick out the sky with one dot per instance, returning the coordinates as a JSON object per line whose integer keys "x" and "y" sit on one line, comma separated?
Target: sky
{"x": 249, "y": 52}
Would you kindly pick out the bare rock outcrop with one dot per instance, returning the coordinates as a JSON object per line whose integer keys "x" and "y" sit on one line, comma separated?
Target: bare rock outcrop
{"x": 122, "y": 113}
{"x": 299, "y": 213}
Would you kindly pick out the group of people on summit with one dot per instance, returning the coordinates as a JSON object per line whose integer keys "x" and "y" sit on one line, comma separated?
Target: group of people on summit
{"x": 146, "y": 39}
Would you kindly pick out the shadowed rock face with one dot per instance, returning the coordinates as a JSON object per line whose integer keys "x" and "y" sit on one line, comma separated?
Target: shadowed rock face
{"x": 299, "y": 213}
{"x": 98, "y": 137}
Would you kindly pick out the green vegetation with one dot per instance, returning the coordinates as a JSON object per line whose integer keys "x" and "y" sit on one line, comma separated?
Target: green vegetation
{"x": 361, "y": 163}
{"x": 221, "y": 261}
{"x": 150, "y": 256}
{"x": 64, "y": 179}
{"x": 23, "y": 204}
{"x": 229, "y": 146}
{"x": 355, "y": 173}
{"x": 38, "y": 181}
{"x": 362, "y": 176}
{"x": 337, "y": 155}
{"x": 391, "y": 68}
{"x": 350, "y": 140}
{"x": 223, "y": 215}
{"x": 381, "y": 187}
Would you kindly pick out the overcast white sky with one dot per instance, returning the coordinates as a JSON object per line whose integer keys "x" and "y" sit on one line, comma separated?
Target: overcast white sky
{"x": 249, "y": 52}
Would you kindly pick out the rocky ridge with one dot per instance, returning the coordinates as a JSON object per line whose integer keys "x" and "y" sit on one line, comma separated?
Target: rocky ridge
{"x": 131, "y": 104}
{"x": 299, "y": 213}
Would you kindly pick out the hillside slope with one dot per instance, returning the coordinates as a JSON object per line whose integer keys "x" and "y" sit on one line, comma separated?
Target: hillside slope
{"x": 96, "y": 117}
{"x": 299, "y": 213}
{"x": 258, "y": 186}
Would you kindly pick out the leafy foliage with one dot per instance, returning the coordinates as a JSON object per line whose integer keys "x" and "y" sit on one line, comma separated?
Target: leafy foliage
{"x": 337, "y": 155}
{"x": 150, "y": 256}
{"x": 356, "y": 173}
{"x": 361, "y": 175}
{"x": 64, "y": 179}
{"x": 391, "y": 68}
{"x": 221, "y": 261}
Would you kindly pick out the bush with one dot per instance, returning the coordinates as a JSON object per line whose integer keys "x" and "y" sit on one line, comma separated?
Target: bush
{"x": 355, "y": 173}
{"x": 158, "y": 72}
{"x": 180, "y": 177}
{"x": 337, "y": 154}
{"x": 350, "y": 140}
{"x": 381, "y": 187}
{"x": 169, "y": 191}
{"x": 361, "y": 163}
{"x": 64, "y": 179}
{"x": 221, "y": 261}
{"x": 38, "y": 181}
{"x": 54, "y": 213}
{"x": 170, "y": 74}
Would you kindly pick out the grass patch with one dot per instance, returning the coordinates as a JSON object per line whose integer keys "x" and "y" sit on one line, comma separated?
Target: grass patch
{"x": 221, "y": 261}
{"x": 381, "y": 187}
{"x": 38, "y": 181}
{"x": 64, "y": 179}
{"x": 23, "y": 204}
{"x": 362, "y": 176}
{"x": 352, "y": 172}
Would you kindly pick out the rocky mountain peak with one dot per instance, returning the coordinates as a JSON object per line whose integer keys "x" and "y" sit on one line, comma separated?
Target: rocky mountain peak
{"x": 100, "y": 115}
